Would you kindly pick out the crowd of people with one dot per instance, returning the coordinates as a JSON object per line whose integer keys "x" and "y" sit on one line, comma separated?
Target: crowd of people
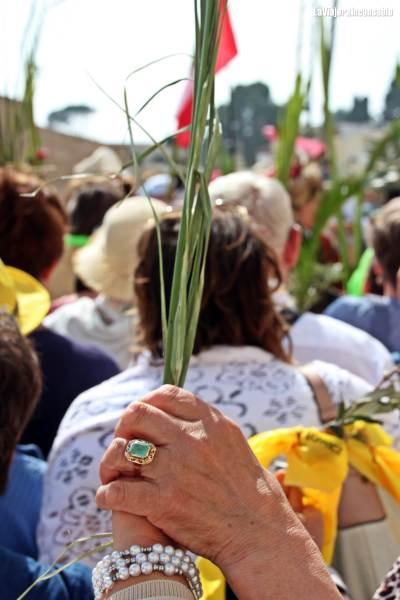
{"x": 80, "y": 377}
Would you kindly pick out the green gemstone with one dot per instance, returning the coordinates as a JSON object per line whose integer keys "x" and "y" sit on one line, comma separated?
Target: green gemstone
{"x": 139, "y": 449}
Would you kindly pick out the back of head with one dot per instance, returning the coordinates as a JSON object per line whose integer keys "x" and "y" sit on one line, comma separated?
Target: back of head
{"x": 241, "y": 275}
{"x": 265, "y": 199}
{"x": 89, "y": 203}
{"x": 20, "y": 386}
{"x": 386, "y": 239}
{"x": 31, "y": 227}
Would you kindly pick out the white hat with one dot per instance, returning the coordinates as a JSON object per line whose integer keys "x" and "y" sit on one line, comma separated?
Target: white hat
{"x": 107, "y": 263}
{"x": 102, "y": 161}
{"x": 266, "y": 200}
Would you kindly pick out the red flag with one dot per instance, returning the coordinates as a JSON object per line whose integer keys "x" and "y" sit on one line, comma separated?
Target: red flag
{"x": 226, "y": 51}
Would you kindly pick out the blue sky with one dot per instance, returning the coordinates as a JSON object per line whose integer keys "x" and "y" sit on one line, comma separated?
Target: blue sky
{"x": 104, "y": 40}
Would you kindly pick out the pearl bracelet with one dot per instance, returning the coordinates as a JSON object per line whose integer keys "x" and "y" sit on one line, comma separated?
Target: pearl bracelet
{"x": 139, "y": 560}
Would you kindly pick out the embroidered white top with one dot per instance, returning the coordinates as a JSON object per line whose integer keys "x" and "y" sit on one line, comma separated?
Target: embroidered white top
{"x": 246, "y": 383}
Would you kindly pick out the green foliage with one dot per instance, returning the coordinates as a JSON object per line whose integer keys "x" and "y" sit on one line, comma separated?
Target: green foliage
{"x": 179, "y": 323}
{"x": 225, "y": 160}
{"x": 190, "y": 259}
{"x": 19, "y": 137}
{"x": 307, "y": 280}
{"x": 312, "y": 280}
{"x": 384, "y": 399}
{"x": 397, "y": 75}
{"x": 288, "y": 128}
{"x": 326, "y": 53}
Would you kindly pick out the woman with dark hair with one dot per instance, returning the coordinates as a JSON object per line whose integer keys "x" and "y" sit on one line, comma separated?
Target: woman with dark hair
{"x": 237, "y": 307}
{"x": 32, "y": 227}
{"x": 240, "y": 365}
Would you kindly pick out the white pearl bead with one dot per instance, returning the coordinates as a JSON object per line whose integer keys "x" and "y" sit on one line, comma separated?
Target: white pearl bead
{"x": 158, "y": 548}
{"x": 169, "y": 569}
{"x": 185, "y": 567}
{"x": 169, "y": 550}
{"x": 164, "y": 558}
{"x": 108, "y": 584}
{"x": 192, "y": 572}
{"x": 120, "y": 563}
{"x": 176, "y": 561}
{"x": 134, "y": 570}
{"x": 135, "y": 549}
{"x": 123, "y": 573}
{"x": 146, "y": 568}
{"x": 186, "y": 559}
{"x": 179, "y": 553}
{"x": 141, "y": 557}
{"x": 154, "y": 557}
{"x": 115, "y": 555}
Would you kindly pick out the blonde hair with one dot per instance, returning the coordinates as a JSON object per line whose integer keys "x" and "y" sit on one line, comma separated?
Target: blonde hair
{"x": 266, "y": 200}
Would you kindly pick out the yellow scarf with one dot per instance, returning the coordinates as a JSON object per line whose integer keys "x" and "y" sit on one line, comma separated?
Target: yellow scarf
{"x": 318, "y": 462}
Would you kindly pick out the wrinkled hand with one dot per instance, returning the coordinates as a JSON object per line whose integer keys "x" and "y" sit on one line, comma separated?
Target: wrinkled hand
{"x": 205, "y": 488}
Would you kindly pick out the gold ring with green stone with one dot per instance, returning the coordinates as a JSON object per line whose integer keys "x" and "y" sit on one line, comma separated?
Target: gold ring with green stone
{"x": 140, "y": 452}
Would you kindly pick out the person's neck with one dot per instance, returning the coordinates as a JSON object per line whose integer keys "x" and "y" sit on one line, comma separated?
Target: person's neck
{"x": 389, "y": 291}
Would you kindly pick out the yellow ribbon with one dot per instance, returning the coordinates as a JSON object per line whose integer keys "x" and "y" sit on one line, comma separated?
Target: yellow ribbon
{"x": 318, "y": 462}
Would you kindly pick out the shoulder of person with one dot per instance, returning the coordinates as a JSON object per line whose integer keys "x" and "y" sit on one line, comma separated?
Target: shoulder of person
{"x": 361, "y": 312}
{"x": 87, "y": 354}
{"x": 352, "y": 304}
{"x": 332, "y": 340}
{"x": 30, "y": 457}
{"x": 341, "y": 384}
{"x": 69, "y": 310}
{"x": 325, "y": 325}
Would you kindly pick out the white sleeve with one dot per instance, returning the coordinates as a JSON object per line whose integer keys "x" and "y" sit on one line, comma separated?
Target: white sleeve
{"x": 342, "y": 385}
{"x": 156, "y": 589}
